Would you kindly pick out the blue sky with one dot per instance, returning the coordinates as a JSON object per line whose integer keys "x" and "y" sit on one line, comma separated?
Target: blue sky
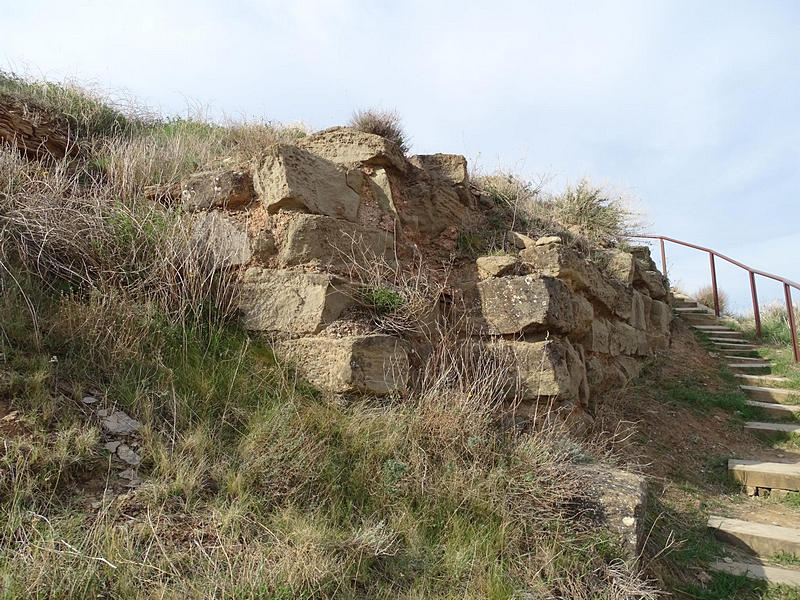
{"x": 693, "y": 107}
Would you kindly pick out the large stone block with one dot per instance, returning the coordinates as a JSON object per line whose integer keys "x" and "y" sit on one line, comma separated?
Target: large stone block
{"x": 368, "y": 364}
{"x": 294, "y": 179}
{"x": 660, "y": 317}
{"x": 620, "y": 265}
{"x": 511, "y": 305}
{"x": 547, "y": 368}
{"x": 223, "y": 240}
{"x": 451, "y": 167}
{"x": 291, "y": 302}
{"x": 217, "y": 189}
{"x": 638, "y": 318}
{"x": 557, "y": 260}
{"x": 650, "y": 281}
{"x": 597, "y": 340}
{"x": 495, "y": 266}
{"x": 627, "y": 340}
{"x": 584, "y": 316}
{"x": 351, "y": 148}
{"x": 330, "y": 242}
{"x": 617, "y": 504}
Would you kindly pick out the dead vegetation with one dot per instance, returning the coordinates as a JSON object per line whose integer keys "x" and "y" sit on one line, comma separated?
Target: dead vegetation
{"x": 254, "y": 485}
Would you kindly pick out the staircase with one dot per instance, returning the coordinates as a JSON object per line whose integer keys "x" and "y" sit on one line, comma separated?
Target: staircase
{"x": 753, "y": 543}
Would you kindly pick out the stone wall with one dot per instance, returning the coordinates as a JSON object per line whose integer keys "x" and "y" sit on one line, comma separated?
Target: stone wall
{"x": 303, "y": 224}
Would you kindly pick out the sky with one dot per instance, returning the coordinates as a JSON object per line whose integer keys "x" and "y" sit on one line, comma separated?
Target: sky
{"x": 691, "y": 107}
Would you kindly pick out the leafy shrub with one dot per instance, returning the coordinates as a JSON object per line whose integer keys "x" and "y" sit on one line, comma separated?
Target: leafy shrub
{"x": 384, "y": 123}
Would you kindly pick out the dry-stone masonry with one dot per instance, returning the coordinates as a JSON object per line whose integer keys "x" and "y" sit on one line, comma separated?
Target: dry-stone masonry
{"x": 309, "y": 225}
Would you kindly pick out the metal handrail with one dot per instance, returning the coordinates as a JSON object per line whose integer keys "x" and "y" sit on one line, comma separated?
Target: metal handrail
{"x": 787, "y": 284}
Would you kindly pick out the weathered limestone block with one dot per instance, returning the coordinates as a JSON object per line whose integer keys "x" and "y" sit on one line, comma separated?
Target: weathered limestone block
{"x": 546, "y": 368}
{"x": 351, "y": 148}
{"x": 452, "y": 167}
{"x": 597, "y": 340}
{"x": 556, "y": 260}
{"x": 291, "y": 302}
{"x": 334, "y": 243}
{"x": 495, "y": 266}
{"x": 656, "y": 342}
{"x": 430, "y": 206}
{"x": 618, "y": 503}
{"x": 519, "y": 240}
{"x": 627, "y": 340}
{"x": 223, "y": 240}
{"x": 660, "y": 317}
{"x": 650, "y": 281}
{"x": 512, "y": 305}
{"x": 622, "y": 306}
{"x": 381, "y": 191}
{"x": 642, "y": 255}
{"x": 547, "y": 240}
{"x": 603, "y": 374}
{"x": 368, "y": 364}
{"x": 584, "y": 316}
{"x": 638, "y": 318}
{"x": 630, "y": 366}
{"x": 294, "y": 179}
{"x": 620, "y": 265}
{"x": 217, "y": 189}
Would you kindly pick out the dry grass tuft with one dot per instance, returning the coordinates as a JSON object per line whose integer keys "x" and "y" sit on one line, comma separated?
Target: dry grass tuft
{"x": 705, "y": 296}
{"x": 384, "y": 123}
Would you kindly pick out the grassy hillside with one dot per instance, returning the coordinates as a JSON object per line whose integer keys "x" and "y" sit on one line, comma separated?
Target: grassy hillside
{"x": 251, "y": 484}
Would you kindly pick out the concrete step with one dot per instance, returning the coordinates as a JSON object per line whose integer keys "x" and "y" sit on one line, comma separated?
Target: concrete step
{"x": 733, "y": 345}
{"x": 768, "y": 394}
{"x": 772, "y": 429}
{"x": 769, "y": 573}
{"x": 685, "y": 310}
{"x": 747, "y": 359}
{"x": 685, "y": 304}
{"x": 699, "y": 318}
{"x": 711, "y": 328}
{"x": 772, "y": 475}
{"x": 775, "y": 411}
{"x": 739, "y": 352}
{"x": 758, "y": 538}
{"x": 749, "y": 365}
{"x": 727, "y": 334}
{"x": 764, "y": 380}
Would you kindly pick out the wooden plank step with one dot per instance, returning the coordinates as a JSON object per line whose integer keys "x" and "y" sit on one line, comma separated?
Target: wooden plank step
{"x": 770, "y": 394}
{"x": 758, "y": 538}
{"x": 772, "y": 428}
{"x": 774, "y": 410}
{"x": 772, "y": 475}
{"x": 769, "y": 573}
{"x": 765, "y": 380}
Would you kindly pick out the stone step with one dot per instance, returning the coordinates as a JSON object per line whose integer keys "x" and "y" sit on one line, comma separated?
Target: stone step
{"x": 772, "y": 429}
{"x": 768, "y": 394}
{"x": 769, "y": 573}
{"x": 764, "y": 380}
{"x": 749, "y": 365}
{"x": 758, "y": 538}
{"x": 772, "y": 475}
{"x": 776, "y": 411}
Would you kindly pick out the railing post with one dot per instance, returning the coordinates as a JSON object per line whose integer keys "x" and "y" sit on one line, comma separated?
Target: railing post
{"x": 663, "y": 258}
{"x": 792, "y": 325}
{"x": 754, "y": 294}
{"x": 714, "y": 283}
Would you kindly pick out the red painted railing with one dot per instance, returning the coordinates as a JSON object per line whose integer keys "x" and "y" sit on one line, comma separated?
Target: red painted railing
{"x": 787, "y": 284}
